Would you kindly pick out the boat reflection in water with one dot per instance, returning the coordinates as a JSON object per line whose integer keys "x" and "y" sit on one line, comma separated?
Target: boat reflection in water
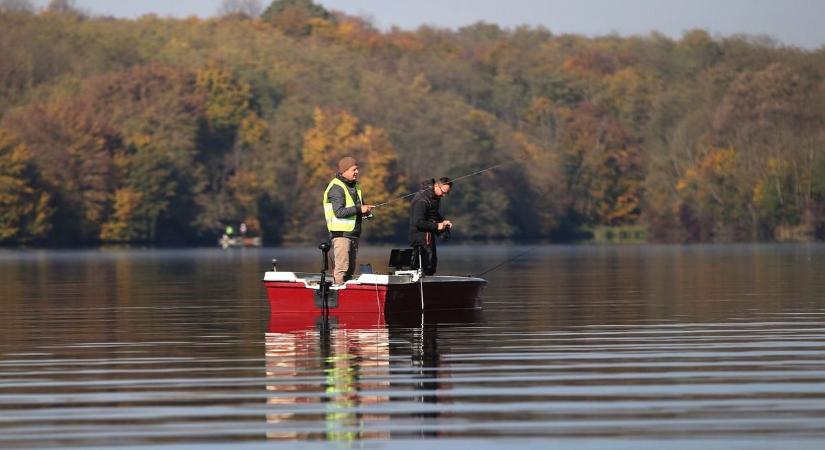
{"x": 333, "y": 378}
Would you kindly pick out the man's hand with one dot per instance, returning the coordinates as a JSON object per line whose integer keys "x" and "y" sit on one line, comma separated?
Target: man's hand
{"x": 444, "y": 224}
{"x": 366, "y": 209}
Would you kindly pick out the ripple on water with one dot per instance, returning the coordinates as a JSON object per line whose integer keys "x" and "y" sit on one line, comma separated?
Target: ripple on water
{"x": 639, "y": 354}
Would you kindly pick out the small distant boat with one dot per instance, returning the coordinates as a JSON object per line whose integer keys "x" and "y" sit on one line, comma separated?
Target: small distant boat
{"x": 405, "y": 289}
{"x": 238, "y": 241}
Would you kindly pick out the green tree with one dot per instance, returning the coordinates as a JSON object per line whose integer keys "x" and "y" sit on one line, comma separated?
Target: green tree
{"x": 228, "y": 100}
{"x": 710, "y": 201}
{"x": 160, "y": 114}
{"x": 296, "y": 17}
{"x": 766, "y": 114}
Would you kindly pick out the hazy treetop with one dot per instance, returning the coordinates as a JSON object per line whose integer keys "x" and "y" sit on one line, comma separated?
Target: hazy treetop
{"x": 793, "y": 22}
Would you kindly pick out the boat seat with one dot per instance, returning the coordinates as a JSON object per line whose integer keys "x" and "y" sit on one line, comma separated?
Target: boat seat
{"x": 403, "y": 259}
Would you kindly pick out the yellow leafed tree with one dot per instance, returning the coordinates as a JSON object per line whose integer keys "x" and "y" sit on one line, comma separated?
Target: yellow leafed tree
{"x": 25, "y": 211}
{"x": 121, "y": 227}
{"x": 228, "y": 99}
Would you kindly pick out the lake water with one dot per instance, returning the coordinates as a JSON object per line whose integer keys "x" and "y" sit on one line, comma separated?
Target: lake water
{"x": 582, "y": 347}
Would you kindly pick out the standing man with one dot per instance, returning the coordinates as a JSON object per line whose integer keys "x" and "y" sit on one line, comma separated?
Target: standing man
{"x": 426, "y": 221}
{"x": 343, "y": 210}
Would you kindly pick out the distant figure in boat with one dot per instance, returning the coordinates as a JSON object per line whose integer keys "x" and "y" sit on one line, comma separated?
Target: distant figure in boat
{"x": 426, "y": 221}
{"x": 344, "y": 210}
{"x": 247, "y": 236}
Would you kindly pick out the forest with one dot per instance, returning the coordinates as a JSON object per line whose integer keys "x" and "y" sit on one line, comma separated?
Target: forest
{"x": 164, "y": 131}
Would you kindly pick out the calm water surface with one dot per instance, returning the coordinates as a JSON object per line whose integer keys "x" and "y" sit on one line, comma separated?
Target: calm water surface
{"x": 577, "y": 347}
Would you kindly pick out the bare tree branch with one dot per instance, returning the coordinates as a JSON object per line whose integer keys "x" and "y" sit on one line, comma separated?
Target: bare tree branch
{"x": 248, "y": 8}
{"x": 16, "y": 5}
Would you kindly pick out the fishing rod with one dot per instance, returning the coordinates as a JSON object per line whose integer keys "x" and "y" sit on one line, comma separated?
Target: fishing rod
{"x": 496, "y": 267}
{"x": 453, "y": 180}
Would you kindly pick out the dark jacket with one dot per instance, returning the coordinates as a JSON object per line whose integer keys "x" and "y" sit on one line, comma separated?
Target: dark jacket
{"x": 338, "y": 200}
{"x": 424, "y": 215}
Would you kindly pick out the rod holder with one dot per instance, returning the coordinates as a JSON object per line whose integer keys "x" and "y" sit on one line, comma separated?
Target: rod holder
{"x": 324, "y": 287}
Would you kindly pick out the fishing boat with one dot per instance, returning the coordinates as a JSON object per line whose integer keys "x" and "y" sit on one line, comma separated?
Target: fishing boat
{"x": 404, "y": 289}
{"x": 239, "y": 242}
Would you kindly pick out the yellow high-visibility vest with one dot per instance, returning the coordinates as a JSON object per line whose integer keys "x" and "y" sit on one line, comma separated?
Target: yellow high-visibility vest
{"x": 335, "y": 223}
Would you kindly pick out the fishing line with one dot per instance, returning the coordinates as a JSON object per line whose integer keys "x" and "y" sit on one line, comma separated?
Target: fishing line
{"x": 454, "y": 180}
{"x": 506, "y": 262}
{"x": 421, "y": 284}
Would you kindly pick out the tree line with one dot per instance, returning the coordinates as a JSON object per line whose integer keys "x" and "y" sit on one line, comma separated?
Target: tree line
{"x": 161, "y": 130}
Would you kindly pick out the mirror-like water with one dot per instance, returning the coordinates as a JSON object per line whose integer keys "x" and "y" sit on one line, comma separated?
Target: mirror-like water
{"x": 584, "y": 347}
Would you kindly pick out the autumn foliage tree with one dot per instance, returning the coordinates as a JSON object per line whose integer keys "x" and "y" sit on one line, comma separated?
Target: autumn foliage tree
{"x": 296, "y": 17}
{"x": 166, "y": 130}
{"x": 25, "y": 209}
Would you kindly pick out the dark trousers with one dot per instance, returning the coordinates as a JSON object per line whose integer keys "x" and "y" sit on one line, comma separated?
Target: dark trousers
{"x": 429, "y": 258}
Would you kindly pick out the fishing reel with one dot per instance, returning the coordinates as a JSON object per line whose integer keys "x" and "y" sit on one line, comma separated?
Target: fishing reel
{"x": 444, "y": 234}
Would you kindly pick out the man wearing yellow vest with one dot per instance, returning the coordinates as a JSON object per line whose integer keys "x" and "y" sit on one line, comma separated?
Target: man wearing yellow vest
{"x": 343, "y": 210}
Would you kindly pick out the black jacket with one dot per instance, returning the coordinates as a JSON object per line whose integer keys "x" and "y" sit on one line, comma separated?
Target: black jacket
{"x": 338, "y": 200}
{"x": 424, "y": 215}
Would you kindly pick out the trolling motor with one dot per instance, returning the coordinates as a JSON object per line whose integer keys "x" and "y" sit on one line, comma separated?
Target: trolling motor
{"x": 324, "y": 297}
{"x": 324, "y": 247}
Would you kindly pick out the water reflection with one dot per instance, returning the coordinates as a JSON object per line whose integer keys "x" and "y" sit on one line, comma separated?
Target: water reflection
{"x": 345, "y": 371}
{"x": 723, "y": 345}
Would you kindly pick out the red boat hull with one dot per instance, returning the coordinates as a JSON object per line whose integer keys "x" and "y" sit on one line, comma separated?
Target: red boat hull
{"x": 295, "y": 297}
{"x": 439, "y": 294}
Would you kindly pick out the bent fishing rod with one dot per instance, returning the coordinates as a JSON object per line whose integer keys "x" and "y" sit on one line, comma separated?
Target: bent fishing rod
{"x": 453, "y": 180}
